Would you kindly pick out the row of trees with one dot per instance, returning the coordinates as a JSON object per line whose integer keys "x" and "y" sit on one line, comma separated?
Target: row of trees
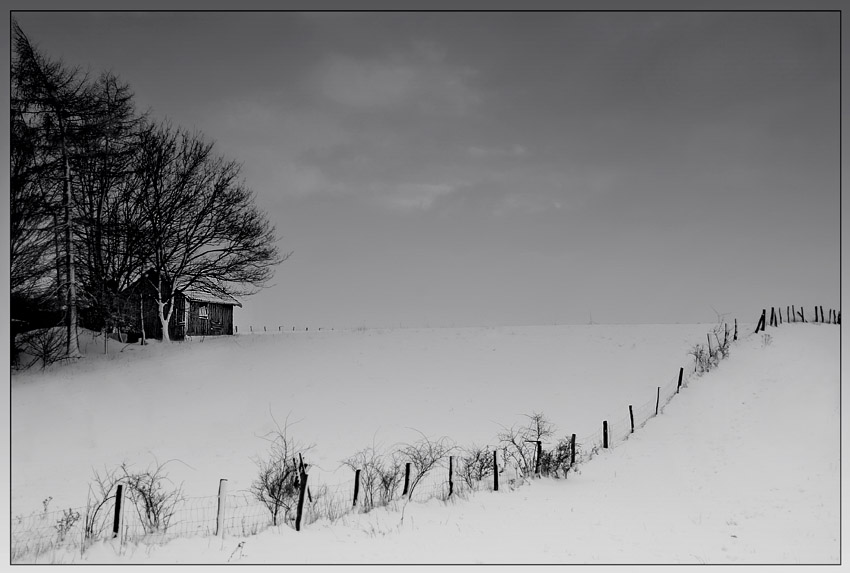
{"x": 100, "y": 194}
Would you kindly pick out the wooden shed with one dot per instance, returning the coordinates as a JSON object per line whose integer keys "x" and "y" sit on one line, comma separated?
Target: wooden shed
{"x": 204, "y": 314}
{"x": 196, "y": 313}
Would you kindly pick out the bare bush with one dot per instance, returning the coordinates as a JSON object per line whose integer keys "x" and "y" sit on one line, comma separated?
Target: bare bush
{"x": 520, "y": 443}
{"x": 96, "y": 518}
{"x": 721, "y": 335}
{"x": 389, "y": 478}
{"x": 279, "y": 478}
{"x": 476, "y": 464}
{"x": 379, "y": 476}
{"x": 154, "y": 501}
{"x": 556, "y": 462}
{"x": 702, "y": 359}
{"x": 708, "y": 357}
{"x": 46, "y": 345}
{"x": 424, "y": 455}
{"x": 65, "y": 523}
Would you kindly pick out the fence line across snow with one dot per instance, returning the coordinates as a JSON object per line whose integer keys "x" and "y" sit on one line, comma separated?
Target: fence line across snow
{"x": 240, "y": 513}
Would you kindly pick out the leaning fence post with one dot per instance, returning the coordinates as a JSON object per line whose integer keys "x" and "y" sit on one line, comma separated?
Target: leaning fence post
{"x": 222, "y": 502}
{"x": 356, "y": 487}
{"x": 605, "y": 434}
{"x": 657, "y": 399}
{"x": 116, "y": 524}
{"x": 451, "y": 483}
{"x": 632, "y": 418}
{"x": 301, "y": 491}
{"x": 760, "y": 325}
{"x": 681, "y": 372}
{"x": 406, "y": 478}
{"x": 495, "y": 472}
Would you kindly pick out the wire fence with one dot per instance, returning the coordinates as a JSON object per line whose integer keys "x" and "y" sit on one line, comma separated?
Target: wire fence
{"x": 244, "y": 514}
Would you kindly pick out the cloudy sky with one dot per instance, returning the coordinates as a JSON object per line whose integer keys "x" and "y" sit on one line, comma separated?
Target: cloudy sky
{"x": 507, "y": 168}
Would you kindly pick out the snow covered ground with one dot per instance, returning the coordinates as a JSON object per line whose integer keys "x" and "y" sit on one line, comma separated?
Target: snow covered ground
{"x": 741, "y": 467}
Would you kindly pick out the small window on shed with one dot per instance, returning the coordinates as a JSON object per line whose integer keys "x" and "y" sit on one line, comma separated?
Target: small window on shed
{"x": 203, "y": 311}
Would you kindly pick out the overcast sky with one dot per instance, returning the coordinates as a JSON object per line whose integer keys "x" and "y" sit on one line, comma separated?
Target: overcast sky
{"x": 507, "y": 168}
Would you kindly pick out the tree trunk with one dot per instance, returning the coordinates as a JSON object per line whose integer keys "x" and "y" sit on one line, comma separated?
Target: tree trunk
{"x": 142, "y": 316}
{"x": 72, "y": 346}
{"x": 164, "y": 318}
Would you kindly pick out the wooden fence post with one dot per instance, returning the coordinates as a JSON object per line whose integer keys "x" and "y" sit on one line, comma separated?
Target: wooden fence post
{"x": 572, "y": 450}
{"x": 760, "y": 325}
{"x": 787, "y": 314}
{"x": 779, "y": 314}
{"x": 605, "y": 434}
{"x": 772, "y": 316}
{"x": 657, "y": 399}
{"x": 681, "y": 372}
{"x": 632, "y": 418}
{"x": 356, "y": 487}
{"x": 302, "y": 468}
{"x": 537, "y": 460}
{"x": 802, "y": 315}
{"x": 495, "y": 472}
{"x": 222, "y": 503}
{"x": 116, "y": 524}
{"x": 794, "y": 313}
{"x": 736, "y": 330}
{"x": 406, "y": 478}
{"x": 822, "y": 319}
{"x": 302, "y": 490}
{"x": 451, "y": 482}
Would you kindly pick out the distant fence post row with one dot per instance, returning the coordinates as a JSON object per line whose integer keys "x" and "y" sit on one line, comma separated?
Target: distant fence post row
{"x": 279, "y": 329}
{"x": 792, "y": 314}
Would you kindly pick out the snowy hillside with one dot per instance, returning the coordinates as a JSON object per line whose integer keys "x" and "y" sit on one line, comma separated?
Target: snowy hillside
{"x": 741, "y": 467}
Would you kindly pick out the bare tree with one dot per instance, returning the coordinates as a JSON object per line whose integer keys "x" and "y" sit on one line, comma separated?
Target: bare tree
{"x": 58, "y": 102}
{"x": 205, "y": 231}
{"x": 110, "y": 245}
{"x": 520, "y": 443}
{"x": 68, "y": 134}
{"x": 279, "y": 473}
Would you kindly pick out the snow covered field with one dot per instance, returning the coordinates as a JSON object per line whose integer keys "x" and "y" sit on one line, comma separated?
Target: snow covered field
{"x": 742, "y": 466}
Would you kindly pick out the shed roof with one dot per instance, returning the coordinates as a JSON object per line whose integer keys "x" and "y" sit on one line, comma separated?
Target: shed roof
{"x": 201, "y": 296}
